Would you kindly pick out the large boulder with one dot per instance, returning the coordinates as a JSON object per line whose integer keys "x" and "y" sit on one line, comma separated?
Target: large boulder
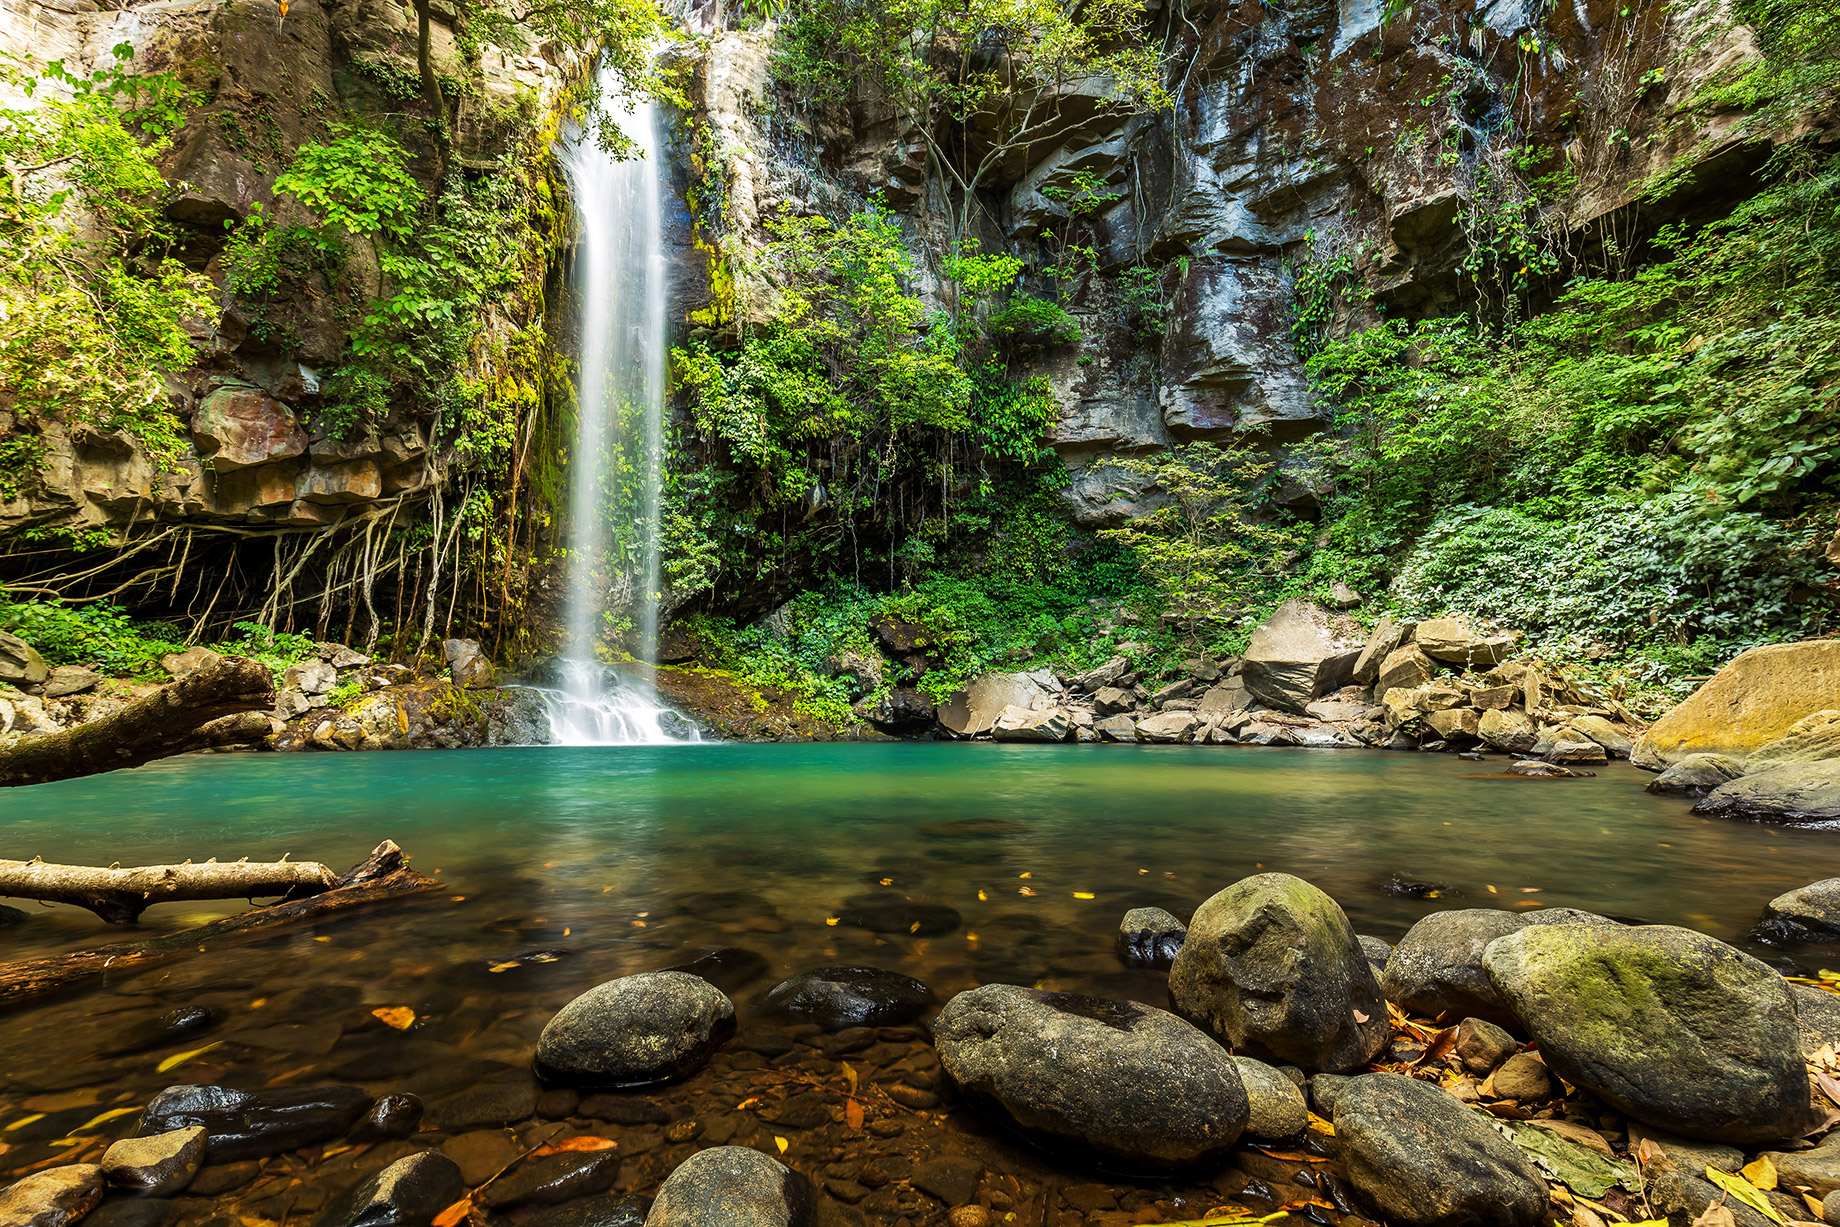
{"x": 1405, "y": 668}
{"x": 1809, "y": 740}
{"x": 1293, "y": 658}
{"x": 1754, "y": 700}
{"x": 732, "y": 1186}
{"x": 635, "y": 1031}
{"x": 1385, "y": 638}
{"x": 1667, "y": 1025}
{"x": 1025, "y": 724}
{"x": 1806, "y": 914}
{"x": 1133, "y": 1087}
{"x": 1168, "y": 727}
{"x": 1417, "y": 1156}
{"x": 1272, "y": 965}
{"x": 238, "y": 427}
{"x": 1800, "y": 792}
{"x": 1453, "y": 641}
{"x": 1696, "y": 775}
{"x": 20, "y": 664}
{"x": 1436, "y": 969}
{"x": 975, "y": 709}
{"x": 1508, "y": 731}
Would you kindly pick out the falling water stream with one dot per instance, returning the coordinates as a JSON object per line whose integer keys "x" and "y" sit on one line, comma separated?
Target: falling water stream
{"x": 615, "y": 466}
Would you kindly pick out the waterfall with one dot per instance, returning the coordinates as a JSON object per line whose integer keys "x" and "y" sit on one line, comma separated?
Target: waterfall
{"x": 615, "y": 467}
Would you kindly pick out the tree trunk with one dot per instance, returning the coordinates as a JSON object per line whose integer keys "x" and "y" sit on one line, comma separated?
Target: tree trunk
{"x": 119, "y": 896}
{"x": 218, "y": 705}
{"x": 384, "y": 874}
{"x": 432, "y": 95}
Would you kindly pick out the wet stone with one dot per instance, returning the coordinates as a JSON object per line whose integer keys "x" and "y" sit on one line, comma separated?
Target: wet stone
{"x": 807, "y": 1110}
{"x": 407, "y": 1193}
{"x": 727, "y": 967}
{"x": 725, "y": 905}
{"x": 51, "y": 1198}
{"x": 683, "y": 1131}
{"x": 392, "y": 1116}
{"x": 558, "y": 1104}
{"x": 552, "y": 1179}
{"x": 1150, "y": 937}
{"x": 593, "y": 1212}
{"x": 392, "y": 1058}
{"x": 255, "y": 1125}
{"x": 953, "y": 1179}
{"x": 836, "y": 998}
{"x": 156, "y": 1165}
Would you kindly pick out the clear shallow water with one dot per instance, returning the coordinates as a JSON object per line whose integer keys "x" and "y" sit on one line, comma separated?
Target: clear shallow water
{"x": 568, "y": 866}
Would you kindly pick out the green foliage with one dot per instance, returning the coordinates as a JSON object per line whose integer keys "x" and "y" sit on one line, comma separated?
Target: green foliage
{"x": 90, "y": 315}
{"x": 1320, "y": 284}
{"x": 358, "y": 183}
{"x": 1214, "y": 548}
{"x": 1140, "y": 301}
{"x": 102, "y": 636}
{"x": 1027, "y": 322}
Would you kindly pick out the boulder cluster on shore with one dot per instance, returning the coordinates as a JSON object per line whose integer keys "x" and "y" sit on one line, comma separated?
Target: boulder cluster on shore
{"x": 1493, "y": 1068}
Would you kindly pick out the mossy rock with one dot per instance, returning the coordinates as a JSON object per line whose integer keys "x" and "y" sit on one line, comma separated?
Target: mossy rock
{"x": 1672, "y": 1027}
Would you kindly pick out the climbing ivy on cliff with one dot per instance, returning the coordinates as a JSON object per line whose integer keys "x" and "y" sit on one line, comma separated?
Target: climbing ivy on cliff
{"x": 91, "y": 314}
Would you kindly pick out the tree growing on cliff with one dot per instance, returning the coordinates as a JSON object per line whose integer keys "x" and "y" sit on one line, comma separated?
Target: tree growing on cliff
{"x": 986, "y": 85}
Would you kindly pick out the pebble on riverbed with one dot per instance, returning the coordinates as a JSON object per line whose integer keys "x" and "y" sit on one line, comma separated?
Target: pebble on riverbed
{"x": 635, "y": 1031}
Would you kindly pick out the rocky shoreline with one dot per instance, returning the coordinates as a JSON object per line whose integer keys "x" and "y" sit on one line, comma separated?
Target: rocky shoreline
{"x": 1492, "y": 1068}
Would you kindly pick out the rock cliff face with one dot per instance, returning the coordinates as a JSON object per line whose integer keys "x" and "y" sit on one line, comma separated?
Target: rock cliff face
{"x": 1303, "y": 133}
{"x": 262, "y": 86}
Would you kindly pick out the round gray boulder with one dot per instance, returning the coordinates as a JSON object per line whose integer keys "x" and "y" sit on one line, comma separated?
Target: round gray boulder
{"x": 1272, "y": 966}
{"x": 732, "y": 1186}
{"x": 1437, "y": 966}
{"x": 1696, "y": 775}
{"x": 635, "y": 1031}
{"x": 1420, "y": 1158}
{"x": 1672, "y": 1027}
{"x": 407, "y": 1193}
{"x": 1132, "y": 1087}
{"x": 1799, "y": 792}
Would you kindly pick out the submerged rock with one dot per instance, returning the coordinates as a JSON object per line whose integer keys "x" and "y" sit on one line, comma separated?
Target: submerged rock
{"x": 552, "y": 1179}
{"x": 155, "y": 1165}
{"x": 1669, "y": 1026}
{"x": 1800, "y": 792}
{"x": 392, "y": 1116}
{"x": 1417, "y": 1156}
{"x": 726, "y": 967}
{"x": 256, "y": 1124}
{"x": 1436, "y": 969}
{"x": 1150, "y": 937}
{"x": 733, "y": 1186}
{"x": 635, "y": 1031}
{"x": 1271, "y": 965}
{"x": 407, "y": 1193}
{"x": 55, "y": 1197}
{"x": 170, "y": 1027}
{"x": 892, "y": 912}
{"x": 840, "y": 997}
{"x": 1132, "y": 1087}
{"x": 1806, "y": 914}
{"x": 606, "y": 1211}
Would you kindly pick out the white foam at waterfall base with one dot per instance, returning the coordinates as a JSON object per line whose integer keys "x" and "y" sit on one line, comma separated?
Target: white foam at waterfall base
{"x": 616, "y": 459}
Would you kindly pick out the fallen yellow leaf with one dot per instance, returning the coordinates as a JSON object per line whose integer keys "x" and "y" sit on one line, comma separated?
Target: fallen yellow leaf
{"x": 1744, "y": 1191}
{"x": 180, "y": 1058}
{"x": 1025, "y": 875}
{"x": 1025, "y": 890}
{"x": 1761, "y": 1172}
{"x": 1083, "y": 894}
{"x": 781, "y": 1142}
{"x": 983, "y": 896}
{"x": 454, "y": 1214}
{"x": 580, "y": 1145}
{"x": 111, "y": 1114}
{"x": 852, "y": 1114}
{"x": 397, "y": 1017}
{"x": 832, "y": 920}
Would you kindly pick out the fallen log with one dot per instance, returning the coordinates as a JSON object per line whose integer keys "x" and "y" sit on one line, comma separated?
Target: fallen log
{"x": 384, "y": 874}
{"x": 207, "y": 709}
{"x": 120, "y": 895}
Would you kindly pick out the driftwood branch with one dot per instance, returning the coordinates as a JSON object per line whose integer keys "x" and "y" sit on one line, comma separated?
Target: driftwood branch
{"x": 119, "y": 895}
{"x": 216, "y": 706}
{"x": 384, "y": 874}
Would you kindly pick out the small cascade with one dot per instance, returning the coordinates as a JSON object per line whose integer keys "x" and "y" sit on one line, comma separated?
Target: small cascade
{"x": 615, "y": 468}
